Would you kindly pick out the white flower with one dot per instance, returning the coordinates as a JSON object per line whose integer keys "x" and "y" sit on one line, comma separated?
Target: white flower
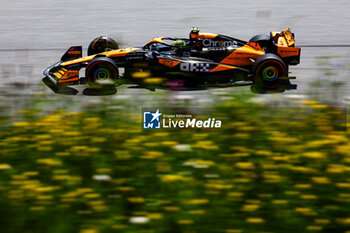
{"x": 138, "y": 220}
{"x": 101, "y": 177}
{"x": 5, "y": 166}
{"x": 182, "y": 147}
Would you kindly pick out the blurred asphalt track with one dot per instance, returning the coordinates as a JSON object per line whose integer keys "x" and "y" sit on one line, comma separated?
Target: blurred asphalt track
{"x": 28, "y": 28}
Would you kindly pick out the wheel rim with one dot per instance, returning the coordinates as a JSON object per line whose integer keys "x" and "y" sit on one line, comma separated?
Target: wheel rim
{"x": 101, "y": 71}
{"x": 270, "y": 73}
{"x": 102, "y": 74}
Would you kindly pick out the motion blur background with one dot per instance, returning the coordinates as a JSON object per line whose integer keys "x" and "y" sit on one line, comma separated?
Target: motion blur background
{"x": 82, "y": 163}
{"x": 31, "y": 25}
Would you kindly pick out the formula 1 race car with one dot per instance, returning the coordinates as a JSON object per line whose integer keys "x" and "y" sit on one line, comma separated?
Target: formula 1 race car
{"x": 202, "y": 60}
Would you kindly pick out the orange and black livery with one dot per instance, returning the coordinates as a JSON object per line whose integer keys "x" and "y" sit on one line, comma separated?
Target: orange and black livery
{"x": 202, "y": 59}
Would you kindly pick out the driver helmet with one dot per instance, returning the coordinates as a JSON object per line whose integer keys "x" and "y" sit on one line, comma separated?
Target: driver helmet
{"x": 194, "y": 34}
{"x": 179, "y": 43}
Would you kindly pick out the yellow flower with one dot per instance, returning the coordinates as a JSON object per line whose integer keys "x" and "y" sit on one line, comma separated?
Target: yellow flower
{"x": 246, "y": 128}
{"x": 44, "y": 148}
{"x": 5, "y": 166}
{"x": 89, "y": 231}
{"x": 344, "y": 195}
{"x": 92, "y": 195}
{"x": 255, "y": 220}
{"x": 314, "y": 155}
{"x": 343, "y": 149}
{"x": 234, "y": 231}
{"x": 199, "y": 163}
{"x": 24, "y": 112}
{"x": 314, "y": 228}
{"x": 197, "y": 212}
{"x": 78, "y": 148}
{"x": 169, "y": 143}
{"x": 139, "y": 213}
{"x": 171, "y": 208}
{"x": 122, "y": 154}
{"x": 185, "y": 221}
{"x": 308, "y": 197}
{"x": 151, "y": 144}
{"x": 250, "y": 208}
{"x": 241, "y": 149}
{"x": 173, "y": 178}
{"x": 162, "y": 134}
{"x": 21, "y": 124}
{"x": 309, "y": 102}
{"x": 126, "y": 189}
{"x": 196, "y": 202}
{"x": 49, "y": 162}
{"x": 337, "y": 168}
{"x": 345, "y": 221}
{"x": 305, "y": 211}
{"x": 47, "y": 188}
{"x": 152, "y": 155}
{"x": 45, "y": 197}
{"x": 283, "y": 139}
{"x": 263, "y": 152}
{"x": 320, "y": 180}
{"x": 302, "y": 186}
{"x": 233, "y": 155}
{"x": 272, "y": 177}
{"x": 279, "y": 202}
{"x": 235, "y": 194}
{"x": 62, "y": 154}
{"x": 154, "y": 216}
{"x": 343, "y": 185}
{"x": 303, "y": 169}
{"x": 245, "y": 165}
{"x": 60, "y": 171}
{"x": 218, "y": 186}
{"x": 319, "y": 106}
{"x": 206, "y": 145}
{"x": 97, "y": 139}
{"x": 321, "y": 221}
{"x": 136, "y": 200}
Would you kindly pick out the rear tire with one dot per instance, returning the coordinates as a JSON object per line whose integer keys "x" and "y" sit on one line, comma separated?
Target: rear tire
{"x": 269, "y": 71}
{"x": 263, "y": 40}
{"x": 101, "y": 71}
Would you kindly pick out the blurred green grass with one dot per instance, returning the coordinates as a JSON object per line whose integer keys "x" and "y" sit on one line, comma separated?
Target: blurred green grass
{"x": 268, "y": 169}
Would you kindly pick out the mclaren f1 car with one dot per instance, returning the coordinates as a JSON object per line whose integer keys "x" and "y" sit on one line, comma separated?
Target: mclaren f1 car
{"x": 203, "y": 59}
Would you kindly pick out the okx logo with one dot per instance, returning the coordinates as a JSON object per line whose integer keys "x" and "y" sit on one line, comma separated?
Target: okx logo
{"x": 151, "y": 120}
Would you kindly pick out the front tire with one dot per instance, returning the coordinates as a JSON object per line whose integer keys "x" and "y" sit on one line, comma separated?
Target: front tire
{"x": 269, "y": 71}
{"x": 102, "y": 44}
{"x": 101, "y": 71}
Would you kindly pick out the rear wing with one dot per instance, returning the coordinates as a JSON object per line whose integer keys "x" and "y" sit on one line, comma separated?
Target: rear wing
{"x": 284, "y": 38}
{"x": 289, "y": 37}
{"x": 285, "y": 44}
